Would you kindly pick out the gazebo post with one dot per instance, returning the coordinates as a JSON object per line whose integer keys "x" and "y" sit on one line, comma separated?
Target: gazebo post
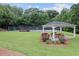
{"x": 53, "y": 30}
{"x": 60, "y": 29}
{"x": 74, "y": 31}
{"x": 43, "y": 29}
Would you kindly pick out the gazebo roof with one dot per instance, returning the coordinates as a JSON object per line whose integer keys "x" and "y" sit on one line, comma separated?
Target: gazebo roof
{"x": 58, "y": 24}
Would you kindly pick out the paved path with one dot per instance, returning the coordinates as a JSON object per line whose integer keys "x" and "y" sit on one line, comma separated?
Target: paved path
{"x": 6, "y": 52}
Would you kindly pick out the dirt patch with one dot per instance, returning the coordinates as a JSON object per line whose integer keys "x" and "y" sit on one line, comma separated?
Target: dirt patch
{"x": 6, "y": 52}
{"x": 2, "y": 30}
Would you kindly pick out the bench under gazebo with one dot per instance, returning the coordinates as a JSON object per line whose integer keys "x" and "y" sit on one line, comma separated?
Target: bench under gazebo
{"x": 59, "y": 24}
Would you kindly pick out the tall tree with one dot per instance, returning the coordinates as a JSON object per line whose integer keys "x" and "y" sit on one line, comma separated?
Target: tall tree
{"x": 63, "y": 16}
{"x": 35, "y": 17}
{"x": 75, "y": 16}
{"x": 9, "y": 15}
{"x": 6, "y": 16}
{"x": 52, "y": 13}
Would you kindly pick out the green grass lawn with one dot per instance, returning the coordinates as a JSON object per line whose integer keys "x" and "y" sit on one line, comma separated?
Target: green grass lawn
{"x": 29, "y": 44}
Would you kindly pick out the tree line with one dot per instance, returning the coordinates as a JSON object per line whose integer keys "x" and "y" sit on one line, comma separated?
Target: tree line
{"x": 15, "y": 16}
{"x": 70, "y": 15}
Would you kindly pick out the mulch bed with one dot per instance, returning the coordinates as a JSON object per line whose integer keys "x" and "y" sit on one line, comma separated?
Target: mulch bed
{"x": 6, "y": 52}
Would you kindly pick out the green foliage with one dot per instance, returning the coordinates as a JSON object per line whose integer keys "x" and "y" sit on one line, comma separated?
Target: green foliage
{"x": 70, "y": 16}
{"x": 52, "y": 13}
{"x": 35, "y": 17}
{"x": 75, "y": 16}
{"x": 8, "y": 15}
{"x": 13, "y": 15}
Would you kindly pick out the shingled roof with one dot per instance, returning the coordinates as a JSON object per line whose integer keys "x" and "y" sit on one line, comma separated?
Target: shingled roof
{"x": 58, "y": 24}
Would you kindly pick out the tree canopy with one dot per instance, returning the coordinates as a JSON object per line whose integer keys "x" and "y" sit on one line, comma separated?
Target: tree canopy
{"x": 15, "y": 16}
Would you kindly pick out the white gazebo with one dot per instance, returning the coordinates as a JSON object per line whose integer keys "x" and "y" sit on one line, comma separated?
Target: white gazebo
{"x": 59, "y": 24}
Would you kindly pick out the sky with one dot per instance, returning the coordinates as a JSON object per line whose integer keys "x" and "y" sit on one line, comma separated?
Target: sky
{"x": 43, "y": 6}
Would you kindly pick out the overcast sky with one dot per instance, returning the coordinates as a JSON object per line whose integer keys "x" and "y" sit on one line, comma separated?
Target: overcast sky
{"x": 43, "y": 6}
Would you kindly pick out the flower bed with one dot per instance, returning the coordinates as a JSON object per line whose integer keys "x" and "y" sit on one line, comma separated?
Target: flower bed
{"x": 60, "y": 38}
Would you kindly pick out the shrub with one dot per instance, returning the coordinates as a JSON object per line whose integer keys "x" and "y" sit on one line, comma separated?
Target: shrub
{"x": 44, "y": 37}
{"x": 49, "y": 41}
